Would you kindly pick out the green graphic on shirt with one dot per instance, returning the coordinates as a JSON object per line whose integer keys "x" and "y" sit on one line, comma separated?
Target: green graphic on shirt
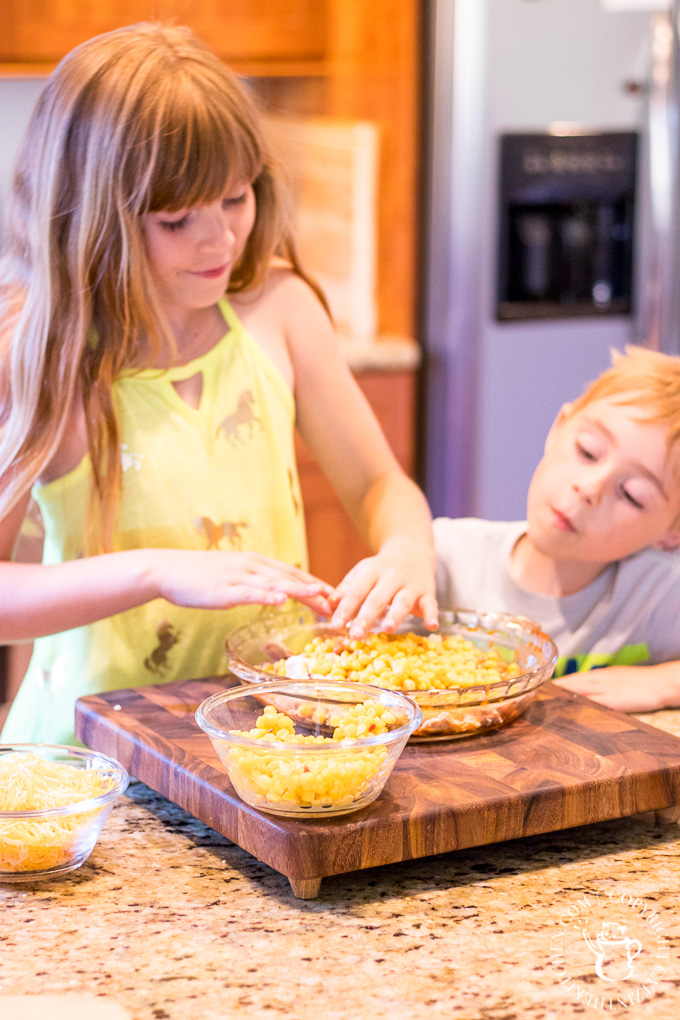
{"x": 629, "y": 655}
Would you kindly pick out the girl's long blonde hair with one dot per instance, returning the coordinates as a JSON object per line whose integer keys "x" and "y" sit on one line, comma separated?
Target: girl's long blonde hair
{"x": 136, "y": 120}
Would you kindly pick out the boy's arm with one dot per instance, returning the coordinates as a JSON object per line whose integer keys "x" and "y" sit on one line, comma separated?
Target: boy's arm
{"x": 629, "y": 688}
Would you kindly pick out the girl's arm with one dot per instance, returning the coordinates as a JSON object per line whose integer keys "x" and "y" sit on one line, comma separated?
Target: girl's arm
{"x": 36, "y": 600}
{"x": 388, "y": 509}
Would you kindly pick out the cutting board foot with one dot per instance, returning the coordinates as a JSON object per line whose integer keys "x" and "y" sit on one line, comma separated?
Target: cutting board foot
{"x": 305, "y": 888}
{"x": 668, "y": 816}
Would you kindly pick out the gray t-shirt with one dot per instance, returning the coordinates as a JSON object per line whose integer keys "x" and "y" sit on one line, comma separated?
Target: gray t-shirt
{"x": 630, "y": 614}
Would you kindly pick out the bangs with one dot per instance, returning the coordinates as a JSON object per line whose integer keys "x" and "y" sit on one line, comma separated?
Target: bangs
{"x": 199, "y": 153}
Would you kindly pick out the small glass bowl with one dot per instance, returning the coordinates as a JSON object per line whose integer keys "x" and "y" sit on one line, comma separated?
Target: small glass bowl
{"x": 44, "y": 843}
{"x": 448, "y": 713}
{"x": 306, "y": 780}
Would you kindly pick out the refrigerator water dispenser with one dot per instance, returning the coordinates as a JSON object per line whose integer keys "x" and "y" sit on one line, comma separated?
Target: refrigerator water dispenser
{"x": 566, "y": 217}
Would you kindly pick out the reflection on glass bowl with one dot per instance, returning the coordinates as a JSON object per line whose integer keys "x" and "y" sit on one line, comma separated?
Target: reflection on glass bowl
{"x": 275, "y": 635}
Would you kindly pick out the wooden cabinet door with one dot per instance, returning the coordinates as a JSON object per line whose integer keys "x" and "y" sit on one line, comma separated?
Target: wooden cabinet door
{"x": 238, "y": 30}
{"x": 257, "y": 30}
{"x": 37, "y": 32}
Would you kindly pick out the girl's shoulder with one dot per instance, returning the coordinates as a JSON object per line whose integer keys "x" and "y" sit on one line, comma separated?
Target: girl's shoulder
{"x": 283, "y": 296}
{"x": 288, "y": 321}
{"x": 281, "y": 283}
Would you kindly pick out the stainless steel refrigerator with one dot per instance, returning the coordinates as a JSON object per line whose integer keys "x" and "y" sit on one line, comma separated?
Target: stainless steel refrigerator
{"x": 557, "y": 89}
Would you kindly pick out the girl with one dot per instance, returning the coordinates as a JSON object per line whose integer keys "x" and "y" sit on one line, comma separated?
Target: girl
{"x": 150, "y": 416}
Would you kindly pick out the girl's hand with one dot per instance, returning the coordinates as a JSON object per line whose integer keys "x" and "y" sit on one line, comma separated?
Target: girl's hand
{"x": 629, "y": 688}
{"x": 220, "y": 580}
{"x": 396, "y": 581}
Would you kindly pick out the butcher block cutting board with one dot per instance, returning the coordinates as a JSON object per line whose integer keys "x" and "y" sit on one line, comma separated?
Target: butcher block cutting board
{"x": 567, "y": 761}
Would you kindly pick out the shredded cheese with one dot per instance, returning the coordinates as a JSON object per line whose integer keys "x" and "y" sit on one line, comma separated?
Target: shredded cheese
{"x": 29, "y": 782}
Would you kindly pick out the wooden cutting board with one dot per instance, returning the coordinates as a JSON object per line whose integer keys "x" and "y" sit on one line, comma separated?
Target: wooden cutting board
{"x": 567, "y": 761}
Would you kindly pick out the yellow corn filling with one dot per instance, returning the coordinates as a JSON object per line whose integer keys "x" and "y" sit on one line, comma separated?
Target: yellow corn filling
{"x": 407, "y": 662}
{"x": 314, "y": 780}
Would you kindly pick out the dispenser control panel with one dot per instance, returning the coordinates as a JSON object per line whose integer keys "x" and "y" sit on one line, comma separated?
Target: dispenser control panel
{"x": 566, "y": 217}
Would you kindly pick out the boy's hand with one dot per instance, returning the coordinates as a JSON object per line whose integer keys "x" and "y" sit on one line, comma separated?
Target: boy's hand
{"x": 220, "y": 580}
{"x": 395, "y": 582}
{"x": 629, "y": 688}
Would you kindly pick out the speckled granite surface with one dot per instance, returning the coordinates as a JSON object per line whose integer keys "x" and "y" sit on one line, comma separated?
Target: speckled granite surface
{"x": 172, "y": 921}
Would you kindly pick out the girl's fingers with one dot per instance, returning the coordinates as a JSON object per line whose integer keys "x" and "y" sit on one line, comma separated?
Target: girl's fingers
{"x": 360, "y": 578}
{"x": 247, "y": 594}
{"x": 277, "y": 569}
{"x": 395, "y": 608}
{"x": 402, "y": 604}
{"x": 372, "y": 590}
{"x": 294, "y": 587}
{"x": 374, "y": 605}
{"x": 263, "y": 593}
{"x": 345, "y": 609}
{"x": 429, "y": 610}
{"x": 319, "y": 603}
{"x": 309, "y": 594}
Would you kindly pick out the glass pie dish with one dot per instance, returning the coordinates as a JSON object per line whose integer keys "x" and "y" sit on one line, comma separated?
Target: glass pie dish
{"x": 258, "y": 651}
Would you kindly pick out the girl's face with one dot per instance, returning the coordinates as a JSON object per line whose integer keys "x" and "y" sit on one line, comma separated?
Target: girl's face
{"x": 192, "y": 252}
{"x": 605, "y": 488}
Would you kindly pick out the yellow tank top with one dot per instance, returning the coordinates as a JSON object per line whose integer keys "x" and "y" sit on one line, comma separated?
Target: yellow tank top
{"x": 222, "y": 476}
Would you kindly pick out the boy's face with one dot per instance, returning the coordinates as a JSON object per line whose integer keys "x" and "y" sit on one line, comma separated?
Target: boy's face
{"x": 605, "y": 488}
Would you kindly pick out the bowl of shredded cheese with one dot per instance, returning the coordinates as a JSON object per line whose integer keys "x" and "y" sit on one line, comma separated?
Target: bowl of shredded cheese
{"x": 308, "y": 749}
{"x": 54, "y": 801}
{"x": 477, "y": 672}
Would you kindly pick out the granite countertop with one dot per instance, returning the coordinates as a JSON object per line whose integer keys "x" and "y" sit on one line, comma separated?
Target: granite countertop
{"x": 169, "y": 920}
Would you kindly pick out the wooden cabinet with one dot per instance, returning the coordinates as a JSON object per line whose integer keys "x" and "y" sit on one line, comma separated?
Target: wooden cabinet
{"x": 286, "y": 32}
{"x": 242, "y": 31}
{"x": 334, "y": 545}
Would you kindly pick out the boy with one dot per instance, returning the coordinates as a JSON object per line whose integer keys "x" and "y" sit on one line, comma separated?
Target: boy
{"x": 596, "y": 563}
